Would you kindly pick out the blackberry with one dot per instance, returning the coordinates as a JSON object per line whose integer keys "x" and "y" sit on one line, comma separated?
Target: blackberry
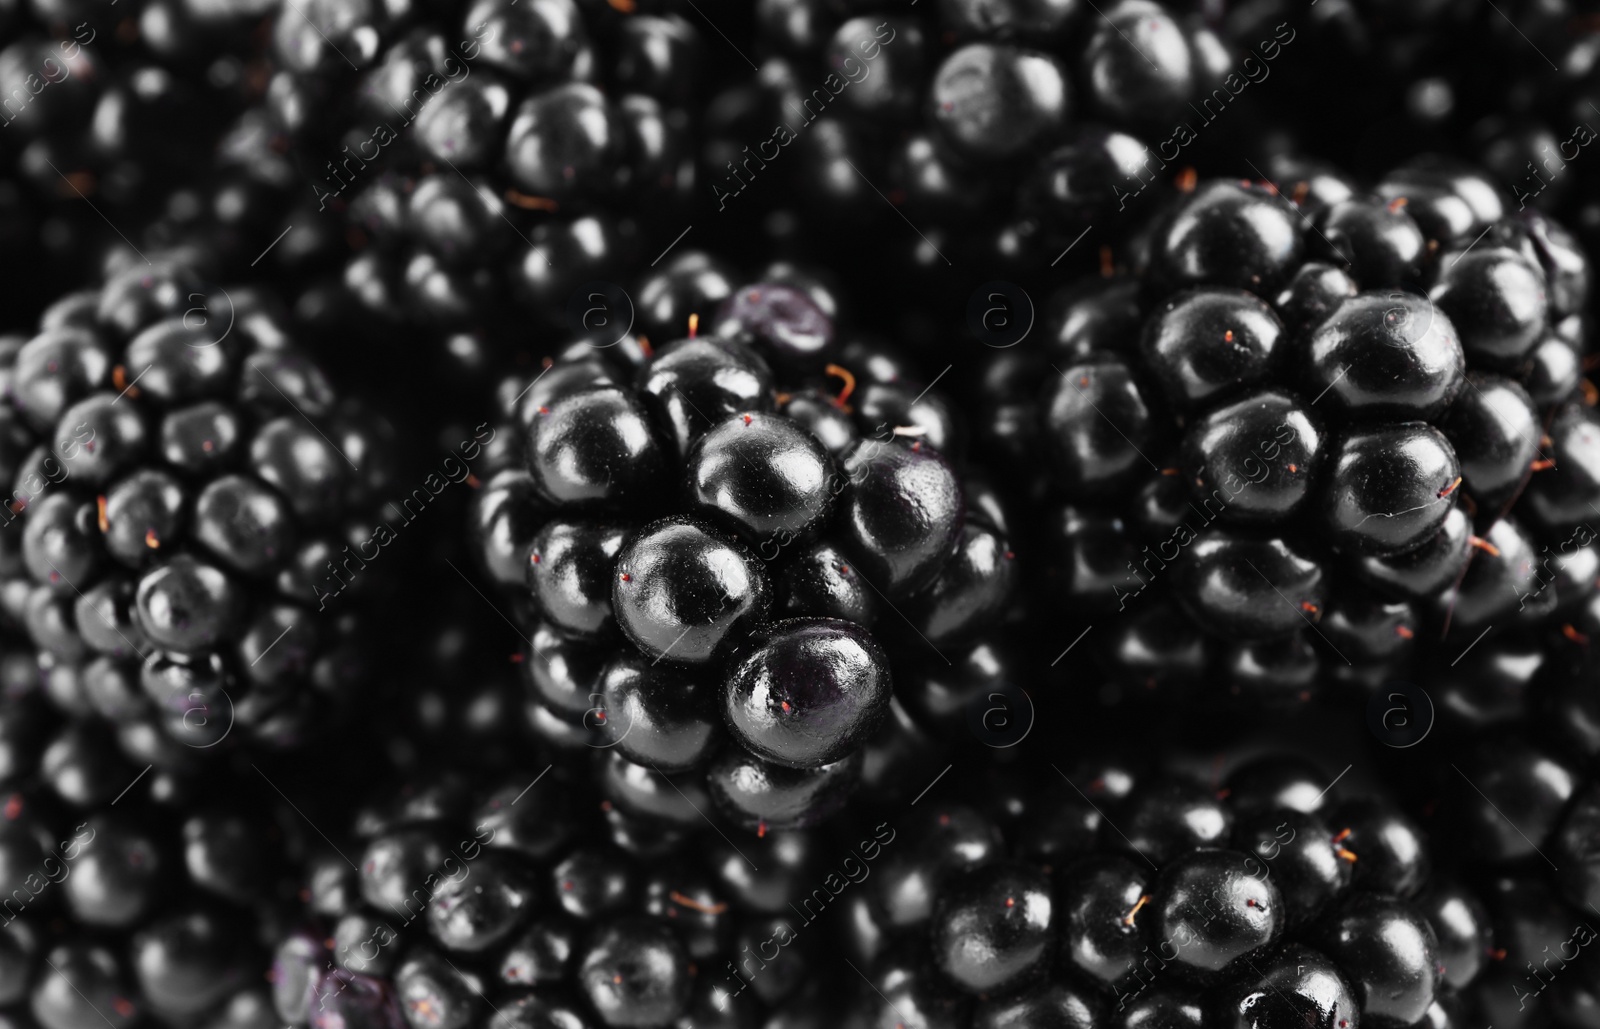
{"x": 1001, "y": 130}
{"x": 108, "y": 112}
{"x": 766, "y": 574}
{"x": 1538, "y": 919}
{"x": 732, "y": 545}
{"x": 134, "y": 895}
{"x": 450, "y": 174}
{"x": 481, "y": 904}
{"x": 1322, "y": 444}
{"x": 188, "y": 499}
{"x": 1166, "y": 905}
{"x": 1512, "y": 927}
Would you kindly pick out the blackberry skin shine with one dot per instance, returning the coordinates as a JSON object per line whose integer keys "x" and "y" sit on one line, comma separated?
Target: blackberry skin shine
{"x": 732, "y": 535}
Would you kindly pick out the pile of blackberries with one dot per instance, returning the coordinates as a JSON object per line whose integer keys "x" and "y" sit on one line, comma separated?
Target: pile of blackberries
{"x": 1258, "y": 891}
{"x": 624, "y": 549}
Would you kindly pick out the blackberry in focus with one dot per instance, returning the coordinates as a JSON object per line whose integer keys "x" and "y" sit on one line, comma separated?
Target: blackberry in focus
{"x": 730, "y": 549}
{"x": 1324, "y": 432}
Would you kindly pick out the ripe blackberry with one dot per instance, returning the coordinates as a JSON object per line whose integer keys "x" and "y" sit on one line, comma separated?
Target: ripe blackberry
{"x": 136, "y": 896}
{"x": 535, "y": 901}
{"x": 1172, "y": 903}
{"x": 723, "y": 550}
{"x": 107, "y": 113}
{"x": 756, "y": 574}
{"x": 450, "y": 174}
{"x": 998, "y": 130}
{"x": 188, "y": 498}
{"x": 1513, "y": 817}
{"x": 1312, "y": 426}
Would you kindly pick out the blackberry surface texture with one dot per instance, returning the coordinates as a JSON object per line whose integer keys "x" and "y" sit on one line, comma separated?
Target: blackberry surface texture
{"x": 752, "y": 609}
{"x": 1323, "y": 428}
{"x": 188, "y": 506}
{"x": 730, "y": 551}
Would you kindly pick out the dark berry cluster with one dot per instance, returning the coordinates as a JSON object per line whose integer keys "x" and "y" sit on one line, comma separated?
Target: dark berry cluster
{"x": 512, "y": 906}
{"x": 1514, "y": 813}
{"x": 105, "y": 110}
{"x": 1331, "y": 426}
{"x": 184, "y": 489}
{"x": 709, "y": 534}
{"x": 454, "y": 171}
{"x": 784, "y": 681}
{"x": 997, "y": 130}
{"x": 1272, "y": 898}
{"x": 132, "y": 898}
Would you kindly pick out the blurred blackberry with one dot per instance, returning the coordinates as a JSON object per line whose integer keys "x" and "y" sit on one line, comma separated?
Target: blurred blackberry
{"x": 1514, "y": 813}
{"x": 533, "y": 902}
{"x": 189, "y": 501}
{"x": 454, "y": 176}
{"x": 134, "y": 896}
{"x": 108, "y": 110}
{"x": 999, "y": 131}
